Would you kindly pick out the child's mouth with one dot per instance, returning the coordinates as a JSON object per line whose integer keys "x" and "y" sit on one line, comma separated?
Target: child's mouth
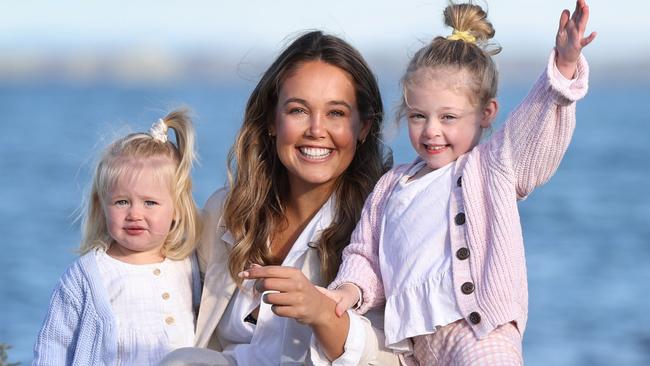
{"x": 435, "y": 149}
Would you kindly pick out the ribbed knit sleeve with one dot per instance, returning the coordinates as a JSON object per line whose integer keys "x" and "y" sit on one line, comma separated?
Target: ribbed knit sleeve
{"x": 79, "y": 327}
{"x": 360, "y": 264}
{"x": 536, "y": 135}
{"x": 57, "y": 340}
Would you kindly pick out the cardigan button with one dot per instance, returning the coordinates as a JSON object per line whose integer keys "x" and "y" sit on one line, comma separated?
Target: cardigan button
{"x": 467, "y": 288}
{"x": 459, "y": 182}
{"x": 169, "y": 320}
{"x": 462, "y": 253}
{"x": 165, "y": 295}
{"x": 156, "y": 272}
{"x": 459, "y": 219}
{"x": 474, "y": 317}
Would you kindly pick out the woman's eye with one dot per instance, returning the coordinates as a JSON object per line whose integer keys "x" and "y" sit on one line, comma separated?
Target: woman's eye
{"x": 337, "y": 113}
{"x": 297, "y": 110}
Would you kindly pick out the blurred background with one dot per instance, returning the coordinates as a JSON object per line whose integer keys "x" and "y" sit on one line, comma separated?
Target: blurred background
{"x": 74, "y": 74}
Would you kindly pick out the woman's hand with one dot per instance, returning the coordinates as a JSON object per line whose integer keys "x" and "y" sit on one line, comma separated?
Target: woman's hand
{"x": 570, "y": 39}
{"x": 293, "y": 296}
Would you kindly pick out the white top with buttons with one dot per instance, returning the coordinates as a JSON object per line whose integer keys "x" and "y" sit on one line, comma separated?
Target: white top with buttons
{"x": 152, "y": 305}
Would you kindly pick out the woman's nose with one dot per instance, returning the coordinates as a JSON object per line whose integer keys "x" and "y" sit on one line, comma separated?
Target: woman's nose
{"x": 316, "y": 127}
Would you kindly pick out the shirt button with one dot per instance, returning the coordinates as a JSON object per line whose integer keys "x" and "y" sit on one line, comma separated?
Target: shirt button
{"x": 462, "y": 253}
{"x": 459, "y": 182}
{"x": 170, "y": 320}
{"x": 165, "y": 296}
{"x": 467, "y": 288}
{"x": 474, "y": 317}
{"x": 459, "y": 219}
{"x": 156, "y": 272}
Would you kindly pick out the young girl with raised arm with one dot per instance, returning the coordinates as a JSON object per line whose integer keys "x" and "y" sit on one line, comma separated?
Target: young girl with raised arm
{"x": 440, "y": 240}
{"x": 130, "y": 298}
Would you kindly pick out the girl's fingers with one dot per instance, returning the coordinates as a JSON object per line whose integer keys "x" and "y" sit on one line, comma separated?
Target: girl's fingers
{"x": 330, "y": 294}
{"x": 564, "y": 19}
{"x": 585, "y": 41}
{"x": 340, "y": 309}
{"x": 583, "y": 19}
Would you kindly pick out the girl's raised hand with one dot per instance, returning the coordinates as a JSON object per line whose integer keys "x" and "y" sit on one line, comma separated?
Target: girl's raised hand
{"x": 570, "y": 39}
{"x": 296, "y": 296}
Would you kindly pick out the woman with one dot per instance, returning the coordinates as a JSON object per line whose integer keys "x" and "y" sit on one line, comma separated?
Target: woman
{"x": 308, "y": 154}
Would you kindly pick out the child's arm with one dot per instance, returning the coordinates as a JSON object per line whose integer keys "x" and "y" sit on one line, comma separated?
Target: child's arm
{"x": 57, "y": 339}
{"x": 360, "y": 265}
{"x": 536, "y": 135}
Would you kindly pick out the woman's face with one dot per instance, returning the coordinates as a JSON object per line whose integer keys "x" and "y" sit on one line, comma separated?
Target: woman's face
{"x": 317, "y": 125}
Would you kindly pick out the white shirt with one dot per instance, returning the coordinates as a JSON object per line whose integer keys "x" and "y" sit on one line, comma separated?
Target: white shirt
{"x": 152, "y": 305}
{"x": 415, "y": 257}
{"x": 261, "y": 344}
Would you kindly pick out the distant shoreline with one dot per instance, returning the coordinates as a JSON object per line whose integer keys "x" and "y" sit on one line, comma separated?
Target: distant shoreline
{"x": 147, "y": 67}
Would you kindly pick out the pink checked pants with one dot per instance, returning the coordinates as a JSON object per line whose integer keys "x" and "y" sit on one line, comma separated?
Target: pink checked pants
{"x": 455, "y": 344}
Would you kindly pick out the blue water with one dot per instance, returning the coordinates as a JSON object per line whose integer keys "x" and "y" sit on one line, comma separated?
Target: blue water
{"x": 587, "y": 232}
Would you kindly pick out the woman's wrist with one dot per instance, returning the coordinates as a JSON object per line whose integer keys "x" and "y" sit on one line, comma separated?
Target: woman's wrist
{"x": 330, "y": 330}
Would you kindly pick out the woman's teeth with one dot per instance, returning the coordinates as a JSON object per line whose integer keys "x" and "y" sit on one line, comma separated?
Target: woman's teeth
{"x": 315, "y": 152}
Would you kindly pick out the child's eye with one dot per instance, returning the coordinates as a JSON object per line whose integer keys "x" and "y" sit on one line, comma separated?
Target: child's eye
{"x": 150, "y": 203}
{"x": 121, "y": 203}
{"x": 448, "y": 117}
{"x": 416, "y": 116}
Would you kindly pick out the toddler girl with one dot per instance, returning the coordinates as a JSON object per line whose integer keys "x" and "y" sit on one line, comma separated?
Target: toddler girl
{"x": 131, "y": 296}
{"x": 440, "y": 240}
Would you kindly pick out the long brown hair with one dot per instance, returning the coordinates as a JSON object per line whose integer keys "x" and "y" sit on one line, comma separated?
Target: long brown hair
{"x": 254, "y": 207}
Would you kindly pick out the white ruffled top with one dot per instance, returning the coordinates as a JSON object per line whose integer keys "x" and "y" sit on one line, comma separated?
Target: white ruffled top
{"x": 415, "y": 257}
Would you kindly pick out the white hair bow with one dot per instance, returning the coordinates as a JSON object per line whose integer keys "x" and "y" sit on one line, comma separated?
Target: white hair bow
{"x": 159, "y": 131}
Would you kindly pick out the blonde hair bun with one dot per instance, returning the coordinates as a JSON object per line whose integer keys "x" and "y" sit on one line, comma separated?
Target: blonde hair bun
{"x": 472, "y": 19}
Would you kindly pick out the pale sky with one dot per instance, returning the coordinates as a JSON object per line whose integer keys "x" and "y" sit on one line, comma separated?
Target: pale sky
{"x": 523, "y": 28}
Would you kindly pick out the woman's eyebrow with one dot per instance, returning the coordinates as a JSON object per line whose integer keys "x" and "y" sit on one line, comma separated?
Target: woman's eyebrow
{"x": 340, "y": 102}
{"x": 295, "y": 100}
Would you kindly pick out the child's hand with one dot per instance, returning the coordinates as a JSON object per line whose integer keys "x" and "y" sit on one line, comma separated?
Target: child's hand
{"x": 570, "y": 38}
{"x": 346, "y": 296}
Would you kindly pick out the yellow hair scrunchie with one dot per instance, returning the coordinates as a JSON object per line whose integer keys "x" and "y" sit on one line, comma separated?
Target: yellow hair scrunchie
{"x": 465, "y": 36}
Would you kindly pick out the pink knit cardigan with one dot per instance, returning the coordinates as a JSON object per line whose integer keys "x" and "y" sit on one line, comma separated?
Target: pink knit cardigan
{"x": 488, "y": 265}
